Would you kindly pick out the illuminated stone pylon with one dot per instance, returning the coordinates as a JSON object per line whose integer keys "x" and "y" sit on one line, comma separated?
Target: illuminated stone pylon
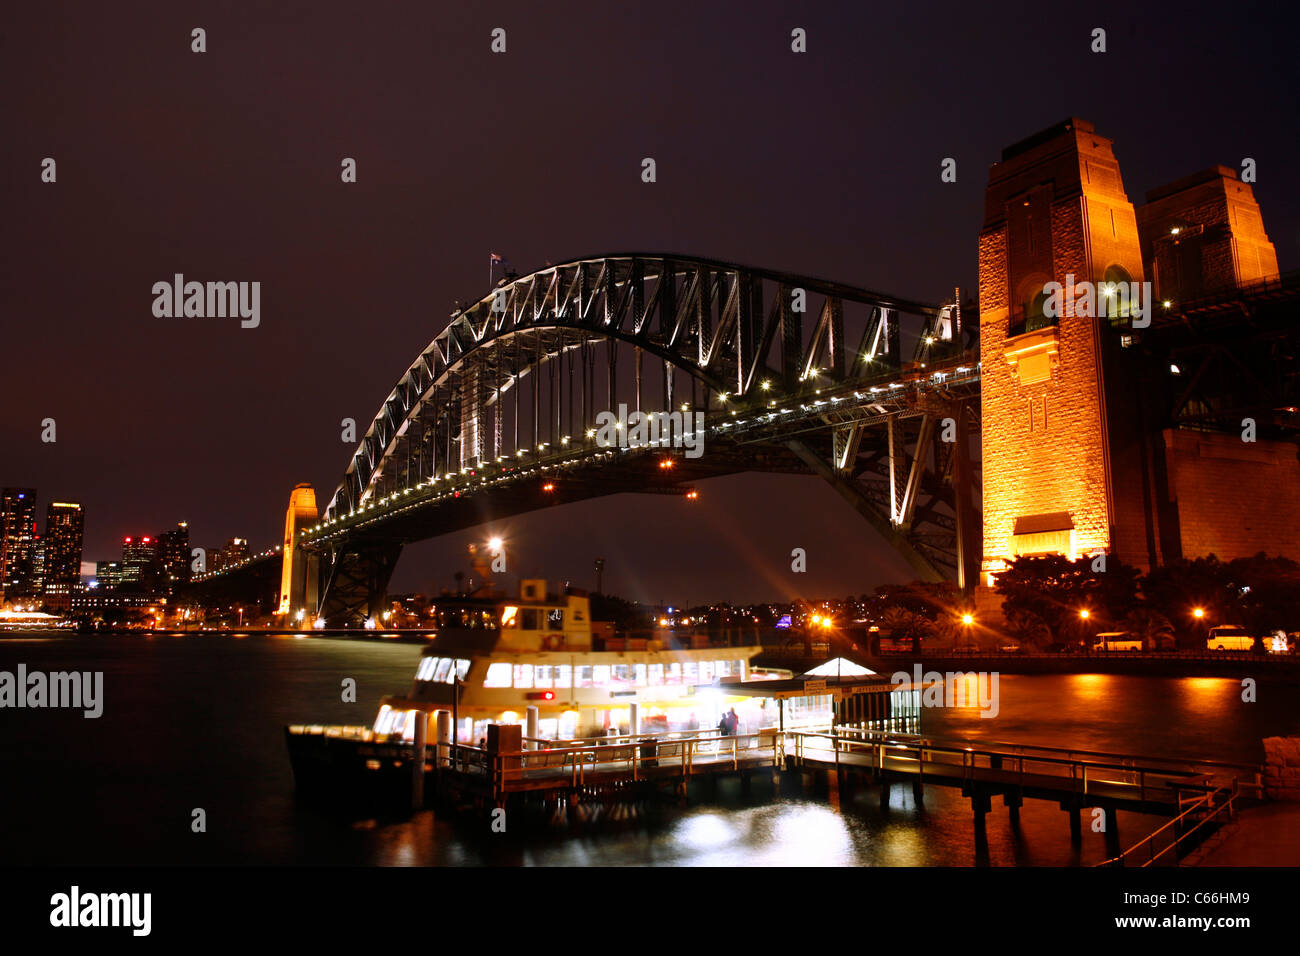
{"x": 1055, "y": 208}
{"x": 299, "y": 574}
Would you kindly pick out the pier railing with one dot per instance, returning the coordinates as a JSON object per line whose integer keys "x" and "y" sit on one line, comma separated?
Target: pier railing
{"x": 1082, "y": 772}
{"x": 1209, "y": 807}
{"x": 628, "y": 756}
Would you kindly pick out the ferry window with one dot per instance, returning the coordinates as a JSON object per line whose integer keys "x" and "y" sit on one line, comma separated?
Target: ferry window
{"x": 584, "y": 677}
{"x": 674, "y": 675}
{"x": 724, "y": 668}
{"x": 555, "y": 619}
{"x": 523, "y": 675}
{"x": 640, "y": 675}
{"x": 622, "y": 674}
{"x": 462, "y": 668}
{"x": 498, "y": 675}
{"x": 510, "y": 616}
{"x": 487, "y": 619}
{"x": 426, "y": 668}
{"x": 444, "y": 668}
{"x": 691, "y": 672}
{"x": 530, "y": 622}
{"x": 600, "y": 674}
{"x": 541, "y": 676}
{"x": 706, "y": 671}
{"x": 562, "y": 675}
{"x": 656, "y": 675}
{"x": 384, "y": 719}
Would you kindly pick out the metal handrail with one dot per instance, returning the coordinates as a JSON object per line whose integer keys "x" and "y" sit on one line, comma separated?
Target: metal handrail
{"x": 1078, "y": 769}
{"x": 1208, "y": 799}
{"x": 509, "y": 766}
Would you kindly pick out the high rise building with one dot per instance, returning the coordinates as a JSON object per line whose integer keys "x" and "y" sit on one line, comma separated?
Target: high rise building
{"x": 38, "y": 566}
{"x": 17, "y": 542}
{"x": 108, "y": 574}
{"x": 174, "y": 555}
{"x": 236, "y": 550}
{"x": 140, "y": 568}
{"x": 65, "y": 526}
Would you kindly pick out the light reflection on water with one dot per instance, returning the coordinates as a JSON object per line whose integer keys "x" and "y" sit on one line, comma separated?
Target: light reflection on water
{"x": 198, "y": 722}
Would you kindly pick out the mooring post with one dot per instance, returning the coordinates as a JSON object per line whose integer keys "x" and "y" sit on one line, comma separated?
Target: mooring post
{"x": 444, "y": 738}
{"x": 417, "y": 761}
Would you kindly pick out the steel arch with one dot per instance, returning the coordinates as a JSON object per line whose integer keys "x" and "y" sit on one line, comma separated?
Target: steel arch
{"x": 702, "y": 316}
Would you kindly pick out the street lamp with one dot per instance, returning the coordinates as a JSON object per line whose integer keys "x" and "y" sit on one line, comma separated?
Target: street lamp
{"x": 1198, "y": 613}
{"x": 1085, "y": 614}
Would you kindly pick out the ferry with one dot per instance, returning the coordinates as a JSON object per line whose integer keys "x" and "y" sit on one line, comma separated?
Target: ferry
{"x": 539, "y": 662}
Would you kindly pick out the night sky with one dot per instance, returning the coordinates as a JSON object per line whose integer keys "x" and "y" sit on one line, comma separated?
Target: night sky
{"x": 226, "y": 166}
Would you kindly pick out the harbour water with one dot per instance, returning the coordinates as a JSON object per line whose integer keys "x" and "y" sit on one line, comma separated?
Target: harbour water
{"x": 195, "y": 722}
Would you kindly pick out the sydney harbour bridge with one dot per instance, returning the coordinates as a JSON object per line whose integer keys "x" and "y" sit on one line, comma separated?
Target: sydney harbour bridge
{"x": 1153, "y": 435}
{"x": 876, "y": 394}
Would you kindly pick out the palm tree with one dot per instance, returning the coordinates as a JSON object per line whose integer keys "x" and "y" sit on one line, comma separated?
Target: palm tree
{"x": 1150, "y": 625}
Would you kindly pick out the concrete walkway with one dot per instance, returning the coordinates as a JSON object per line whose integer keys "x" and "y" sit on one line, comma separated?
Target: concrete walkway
{"x": 1268, "y": 835}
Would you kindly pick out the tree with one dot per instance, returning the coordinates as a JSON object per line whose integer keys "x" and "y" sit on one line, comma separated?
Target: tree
{"x": 1151, "y": 626}
{"x": 1055, "y": 590}
{"x": 1179, "y": 588}
{"x": 1028, "y": 628}
{"x": 903, "y": 624}
{"x": 1266, "y": 592}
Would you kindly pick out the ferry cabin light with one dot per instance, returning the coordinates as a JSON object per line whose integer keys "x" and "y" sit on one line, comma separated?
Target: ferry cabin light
{"x": 540, "y": 695}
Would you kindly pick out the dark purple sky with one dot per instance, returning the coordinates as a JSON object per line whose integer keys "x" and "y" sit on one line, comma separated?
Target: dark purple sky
{"x": 225, "y": 166}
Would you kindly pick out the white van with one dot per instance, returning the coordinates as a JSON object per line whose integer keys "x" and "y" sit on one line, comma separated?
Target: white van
{"x": 1229, "y": 637}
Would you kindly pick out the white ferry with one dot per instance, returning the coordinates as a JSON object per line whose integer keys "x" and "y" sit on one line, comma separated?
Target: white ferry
{"x": 541, "y": 663}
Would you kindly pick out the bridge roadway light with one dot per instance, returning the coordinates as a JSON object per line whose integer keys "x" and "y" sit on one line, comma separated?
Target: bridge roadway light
{"x": 766, "y": 385}
{"x": 968, "y": 619}
{"x": 1198, "y": 613}
{"x": 1085, "y": 614}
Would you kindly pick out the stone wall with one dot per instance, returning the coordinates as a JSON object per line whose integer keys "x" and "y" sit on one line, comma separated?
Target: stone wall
{"x": 1282, "y": 768}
